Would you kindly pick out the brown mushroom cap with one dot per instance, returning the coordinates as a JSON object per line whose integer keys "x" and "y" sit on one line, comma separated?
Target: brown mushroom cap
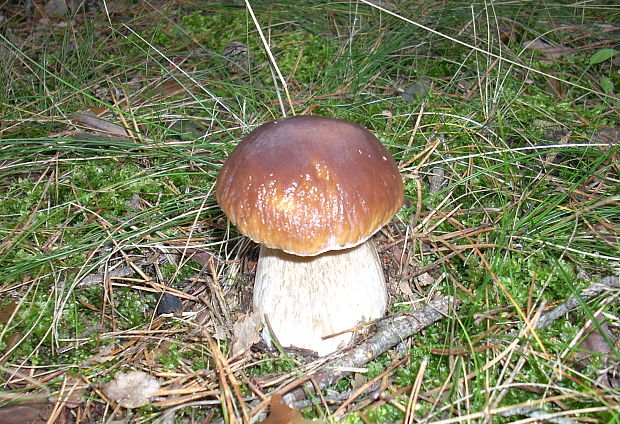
{"x": 309, "y": 184}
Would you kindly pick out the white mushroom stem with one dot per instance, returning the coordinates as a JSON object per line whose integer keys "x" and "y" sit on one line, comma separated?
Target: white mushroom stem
{"x": 308, "y": 297}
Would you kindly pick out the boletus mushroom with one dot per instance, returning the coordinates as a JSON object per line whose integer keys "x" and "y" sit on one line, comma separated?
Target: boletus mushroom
{"x": 312, "y": 191}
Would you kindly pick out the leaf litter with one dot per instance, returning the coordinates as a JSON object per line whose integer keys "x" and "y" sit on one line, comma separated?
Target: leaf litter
{"x": 132, "y": 389}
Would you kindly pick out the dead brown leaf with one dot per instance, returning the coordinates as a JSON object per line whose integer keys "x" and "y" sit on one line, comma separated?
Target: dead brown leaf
{"x": 359, "y": 380}
{"x": 32, "y": 414}
{"x": 600, "y": 341}
{"x": 91, "y": 121}
{"x": 105, "y": 354}
{"x": 245, "y": 333}
{"x": 281, "y": 413}
{"x": 548, "y": 50}
{"x": 131, "y": 390}
{"x": 6, "y": 312}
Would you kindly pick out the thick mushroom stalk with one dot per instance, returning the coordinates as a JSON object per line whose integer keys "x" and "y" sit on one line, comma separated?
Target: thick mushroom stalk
{"x": 310, "y": 189}
{"x": 305, "y": 298}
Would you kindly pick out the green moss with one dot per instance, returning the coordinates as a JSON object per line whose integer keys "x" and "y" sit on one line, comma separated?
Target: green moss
{"x": 209, "y": 27}
{"x": 384, "y": 414}
{"x": 131, "y": 307}
{"x": 303, "y": 57}
{"x": 269, "y": 365}
{"x": 171, "y": 360}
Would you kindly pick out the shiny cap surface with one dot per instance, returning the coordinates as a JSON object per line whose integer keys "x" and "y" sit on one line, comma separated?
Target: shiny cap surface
{"x": 309, "y": 184}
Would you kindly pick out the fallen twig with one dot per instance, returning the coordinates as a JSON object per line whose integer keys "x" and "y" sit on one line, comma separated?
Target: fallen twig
{"x": 574, "y": 301}
{"x": 390, "y": 332}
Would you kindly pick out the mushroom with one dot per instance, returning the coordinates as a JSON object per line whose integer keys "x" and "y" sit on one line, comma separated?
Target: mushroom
{"x": 312, "y": 191}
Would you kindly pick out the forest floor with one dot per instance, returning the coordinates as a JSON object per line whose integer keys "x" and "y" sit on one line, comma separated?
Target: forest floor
{"x": 125, "y": 294}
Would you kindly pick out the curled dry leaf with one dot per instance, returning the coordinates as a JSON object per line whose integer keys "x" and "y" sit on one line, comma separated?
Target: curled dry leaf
{"x": 131, "y": 390}
{"x": 437, "y": 179}
{"x": 600, "y": 342}
{"x": 281, "y": 413}
{"x": 425, "y": 279}
{"x": 245, "y": 333}
{"x": 358, "y": 381}
{"x": 548, "y": 50}
{"x": 405, "y": 289}
{"x": 93, "y": 122}
{"x": 17, "y": 414}
{"x": 7, "y": 312}
{"x": 105, "y": 354}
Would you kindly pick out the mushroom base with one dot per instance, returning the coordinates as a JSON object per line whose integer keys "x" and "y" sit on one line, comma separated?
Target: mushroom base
{"x": 306, "y": 298}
